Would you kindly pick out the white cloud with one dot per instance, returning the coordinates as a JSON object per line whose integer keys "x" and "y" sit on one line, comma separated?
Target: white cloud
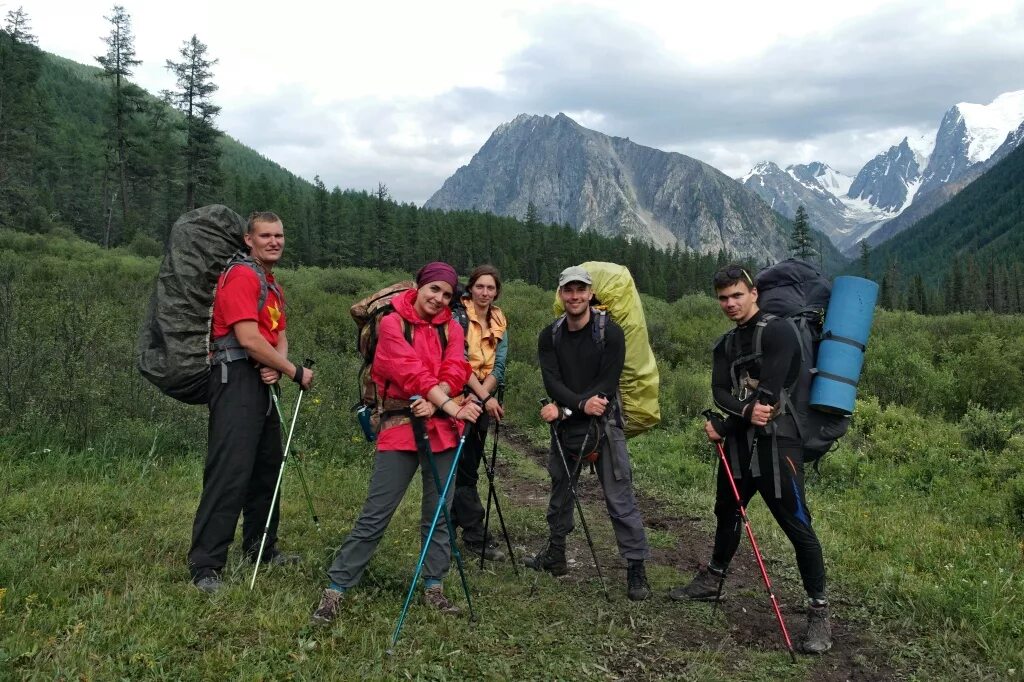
{"x": 405, "y": 92}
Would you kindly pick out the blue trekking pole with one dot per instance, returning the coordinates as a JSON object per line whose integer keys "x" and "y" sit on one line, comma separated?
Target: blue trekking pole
{"x": 430, "y": 534}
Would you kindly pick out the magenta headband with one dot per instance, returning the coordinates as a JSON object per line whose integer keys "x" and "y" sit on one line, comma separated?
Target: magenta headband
{"x": 437, "y": 272}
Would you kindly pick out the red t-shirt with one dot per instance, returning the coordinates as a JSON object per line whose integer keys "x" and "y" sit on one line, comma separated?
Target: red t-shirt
{"x": 236, "y": 299}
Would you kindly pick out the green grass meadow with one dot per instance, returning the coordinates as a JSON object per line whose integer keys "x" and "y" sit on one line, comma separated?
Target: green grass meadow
{"x": 920, "y": 510}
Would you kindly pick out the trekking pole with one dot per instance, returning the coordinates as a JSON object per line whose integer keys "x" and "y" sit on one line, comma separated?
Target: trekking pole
{"x": 302, "y": 464}
{"x": 419, "y": 429}
{"x": 426, "y": 544}
{"x": 753, "y": 543}
{"x": 277, "y": 486}
{"x": 572, "y": 491}
{"x": 492, "y": 494}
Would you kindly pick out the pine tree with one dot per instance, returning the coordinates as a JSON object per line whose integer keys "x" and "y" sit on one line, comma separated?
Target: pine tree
{"x": 918, "y": 298}
{"x": 865, "y": 259}
{"x": 23, "y": 123}
{"x": 531, "y": 220}
{"x": 801, "y": 244}
{"x": 201, "y": 150}
{"x": 125, "y": 101}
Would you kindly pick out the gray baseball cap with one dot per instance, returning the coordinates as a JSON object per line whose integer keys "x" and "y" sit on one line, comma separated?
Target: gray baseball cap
{"x": 574, "y": 273}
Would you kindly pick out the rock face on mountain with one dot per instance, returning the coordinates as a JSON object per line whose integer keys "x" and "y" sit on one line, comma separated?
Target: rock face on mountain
{"x": 890, "y": 179}
{"x": 903, "y": 184}
{"x": 814, "y": 186}
{"x": 612, "y": 186}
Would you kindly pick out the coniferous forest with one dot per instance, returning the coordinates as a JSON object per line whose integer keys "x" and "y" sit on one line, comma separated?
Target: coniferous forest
{"x": 84, "y": 149}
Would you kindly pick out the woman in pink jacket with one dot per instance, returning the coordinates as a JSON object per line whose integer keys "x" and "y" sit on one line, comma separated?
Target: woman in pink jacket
{"x": 433, "y": 366}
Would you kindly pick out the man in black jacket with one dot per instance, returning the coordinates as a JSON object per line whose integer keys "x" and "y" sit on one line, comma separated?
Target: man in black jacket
{"x": 755, "y": 367}
{"x": 581, "y": 358}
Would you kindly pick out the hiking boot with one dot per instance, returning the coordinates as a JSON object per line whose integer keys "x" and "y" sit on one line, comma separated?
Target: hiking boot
{"x": 818, "y": 638}
{"x": 328, "y": 608}
{"x": 637, "y": 588}
{"x": 552, "y": 560}
{"x": 434, "y": 598}
{"x": 209, "y": 584}
{"x": 703, "y": 587}
{"x": 491, "y": 550}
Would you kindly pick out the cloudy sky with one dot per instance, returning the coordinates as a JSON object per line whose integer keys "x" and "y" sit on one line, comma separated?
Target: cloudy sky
{"x": 405, "y": 92}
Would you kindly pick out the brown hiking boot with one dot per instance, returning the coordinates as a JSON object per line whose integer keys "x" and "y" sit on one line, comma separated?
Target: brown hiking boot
{"x": 552, "y": 560}
{"x": 703, "y": 587}
{"x": 328, "y": 608}
{"x": 435, "y": 599}
{"x": 818, "y": 638}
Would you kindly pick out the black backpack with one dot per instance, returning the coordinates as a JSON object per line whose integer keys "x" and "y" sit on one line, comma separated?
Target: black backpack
{"x": 174, "y": 348}
{"x": 796, "y": 291}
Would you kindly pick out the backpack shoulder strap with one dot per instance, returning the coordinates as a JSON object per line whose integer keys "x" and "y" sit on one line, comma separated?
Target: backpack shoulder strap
{"x": 600, "y": 324}
{"x": 409, "y": 332}
{"x": 244, "y": 259}
{"x": 556, "y": 330}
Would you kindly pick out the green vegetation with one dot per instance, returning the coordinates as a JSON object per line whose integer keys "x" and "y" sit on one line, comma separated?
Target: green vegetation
{"x": 921, "y": 509}
{"x": 84, "y": 149}
{"x": 966, "y": 256}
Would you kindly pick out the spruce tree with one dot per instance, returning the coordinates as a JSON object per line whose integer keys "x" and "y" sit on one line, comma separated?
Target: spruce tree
{"x": 801, "y": 244}
{"x": 865, "y": 259}
{"x": 201, "y": 149}
{"x": 125, "y": 101}
{"x": 24, "y": 126}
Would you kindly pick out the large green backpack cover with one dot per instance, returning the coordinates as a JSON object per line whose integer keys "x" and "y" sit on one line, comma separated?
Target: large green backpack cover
{"x": 173, "y": 346}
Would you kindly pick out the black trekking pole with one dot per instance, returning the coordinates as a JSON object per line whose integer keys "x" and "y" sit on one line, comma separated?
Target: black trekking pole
{"x": 753, "y": 543}
{"x": 572, "y": 491}
{"x": 277, "y": 486}
{"x": 301, "y": 461}
{"x": 492, "y": 494}
{"x": 426, "y": 544}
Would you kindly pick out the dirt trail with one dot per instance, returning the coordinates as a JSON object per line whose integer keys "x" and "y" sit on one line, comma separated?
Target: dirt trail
{"x": 747, "y": 610}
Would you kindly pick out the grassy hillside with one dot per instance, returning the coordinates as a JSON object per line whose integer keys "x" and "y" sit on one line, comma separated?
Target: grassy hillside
{"x": 921, "y": 509}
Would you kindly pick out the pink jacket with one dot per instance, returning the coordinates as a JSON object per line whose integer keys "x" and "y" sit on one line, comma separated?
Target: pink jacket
{"x": 401, "y": 370}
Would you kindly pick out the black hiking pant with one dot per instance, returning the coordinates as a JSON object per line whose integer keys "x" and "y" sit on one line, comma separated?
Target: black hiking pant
{"x": 790, "y": 509}
{"x": 467, "y": 509}
{"x": 243, "y": 459}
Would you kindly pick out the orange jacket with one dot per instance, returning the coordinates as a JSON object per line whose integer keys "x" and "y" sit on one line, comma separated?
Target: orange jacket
{"x": 481, "y": 351}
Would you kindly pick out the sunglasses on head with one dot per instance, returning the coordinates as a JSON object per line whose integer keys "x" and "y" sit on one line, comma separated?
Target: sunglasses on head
{"x": 733, "y": 274}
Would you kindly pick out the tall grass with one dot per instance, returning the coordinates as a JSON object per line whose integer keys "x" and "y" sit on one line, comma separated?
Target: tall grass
{"x": 921, "y": 509}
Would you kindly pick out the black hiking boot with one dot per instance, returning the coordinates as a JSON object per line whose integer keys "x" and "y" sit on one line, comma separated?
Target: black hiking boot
{"x": 491, "y": 550}
{"x": 210, "y": 584}
{"x": 552, "y": 560}
{"x": 328, "y": 608}
{"x": 818, "y": 638}
{"x": 637, "y": 588}
{"x": 703, "y": 587}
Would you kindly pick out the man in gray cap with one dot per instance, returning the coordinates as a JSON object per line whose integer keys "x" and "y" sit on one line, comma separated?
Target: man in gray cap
{"x": 581, "y": 358}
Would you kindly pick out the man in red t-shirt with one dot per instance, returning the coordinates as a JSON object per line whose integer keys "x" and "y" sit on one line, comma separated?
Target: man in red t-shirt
{"x": 244, "y": 450}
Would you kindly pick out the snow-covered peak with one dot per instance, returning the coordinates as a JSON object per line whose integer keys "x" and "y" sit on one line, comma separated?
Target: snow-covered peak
{"x": 834, "y": 181}
{"x": 922, "y": 146}
{"x": 761, "y": 168}
{"x": 820, "y": 176}
{"x": 989, "y": 124}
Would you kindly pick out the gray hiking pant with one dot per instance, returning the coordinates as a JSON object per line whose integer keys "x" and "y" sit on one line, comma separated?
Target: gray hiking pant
{"x": 616, "y": 476}
{"x": 392, "y": 473}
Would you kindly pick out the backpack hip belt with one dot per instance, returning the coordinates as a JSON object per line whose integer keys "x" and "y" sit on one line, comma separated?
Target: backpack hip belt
{"x": 227, "y": 349}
